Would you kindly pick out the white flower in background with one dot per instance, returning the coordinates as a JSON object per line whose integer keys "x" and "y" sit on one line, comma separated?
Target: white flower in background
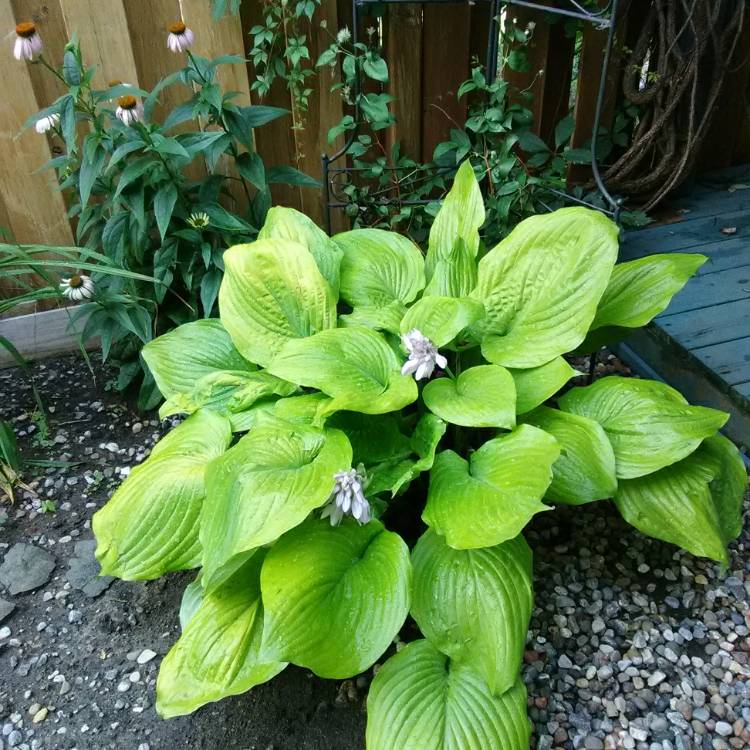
{"x": 28, "y": 42}
{"x": 423, "y": 355}
{"x": 198, "y": 219}
{"x": 129, "y": 110}
{"x": 180, "y": 37}
{"x": 78, "y": 287}
{"x": 344, "y": 35}
{"x": 43, "y": 124}
{"x": 347, "y": 497}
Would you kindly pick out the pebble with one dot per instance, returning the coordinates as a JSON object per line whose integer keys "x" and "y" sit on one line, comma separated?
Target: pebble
{"x": 146, "y": 656}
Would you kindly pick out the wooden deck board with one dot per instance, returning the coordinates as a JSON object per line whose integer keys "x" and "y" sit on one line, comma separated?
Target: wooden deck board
{"x": 701, "y": 343}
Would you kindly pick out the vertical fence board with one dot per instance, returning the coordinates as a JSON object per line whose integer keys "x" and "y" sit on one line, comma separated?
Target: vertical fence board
{"x": 35, "y": 208}
{"x": 445, "y": 66}
{"x": 102, "y": 29}
{"x": 403, "y": 34}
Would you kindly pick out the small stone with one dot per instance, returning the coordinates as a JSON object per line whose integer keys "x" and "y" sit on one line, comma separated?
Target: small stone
{"x": 15, "y": 738}
{"x": 40, "y": 715}
{"x": 26, "y": 568}
{"x": 598, "y": 625}
{"x": 4, "y": 633}
{"x": 74, "y": 616}
{"x": 723, "y": 728}
{"x": 145, "y": 656}
{"x": 6, "y": 608}
{"x": 656, "y": 678}
{"x": 564, "y": 662}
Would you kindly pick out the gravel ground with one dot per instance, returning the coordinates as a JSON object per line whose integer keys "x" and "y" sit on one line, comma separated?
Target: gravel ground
{"x": 633, "y": 643}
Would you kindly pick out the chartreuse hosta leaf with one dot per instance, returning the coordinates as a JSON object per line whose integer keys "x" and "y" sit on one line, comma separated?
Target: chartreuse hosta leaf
{"x": 335, "y": 597}
{"x": 441, "y": 319}
{"x": 288, "y": 224}
{"x": 229, "y": 392}
{"x": 273, "y": 292}
{"x": 540, "y": 286}
{"x": 267, "y": 484}
{"x": 695, "y": 503}
{"x": 585, "y": 470}
{"x": 637, "y": 292}
{"x": 386, "y": 318}
{"x": 217, "y": 654}
{"x": 374, "y": 438}
{"x": 423, "y": 700}
{"x": 450, "y": 265}
{"x": 474, "y": 605}
{"x": 640, "y": 289}
{"x": 396, "y": 473}
{"x": 482, "y": 396}
{"x": 150, "y": 525}
{"x": 649, "y": 424}
{"x": 180, "y": 358}
{"x": 490, "y": 498}
{"x": 535, "y": 385}
{"x": 355, "y": 366}
{"x": 379, "y": 268}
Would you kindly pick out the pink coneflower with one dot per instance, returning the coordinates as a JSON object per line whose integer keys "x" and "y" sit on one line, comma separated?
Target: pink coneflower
{"x": 129, "y": 110}
{"x": 180, "y": 37}
{"x": 28, "y": 42}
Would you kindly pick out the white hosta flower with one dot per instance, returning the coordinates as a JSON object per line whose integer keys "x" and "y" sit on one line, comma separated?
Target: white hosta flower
{"x": 129, "y": 110}
{"x": 78, "y": 287}
{"x": 423, "y": 355}
{"x": 28, "y": 42}
{"x": 344, "y": 35}
{"x": 180, "y": 37}
{"x": 43, "y": 124}
{"x": 198, "y": 219}
{"x": 347, "y": 497}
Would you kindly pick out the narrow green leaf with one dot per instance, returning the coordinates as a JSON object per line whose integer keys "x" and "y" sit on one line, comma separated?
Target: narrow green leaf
{"x": 164, "y": 202}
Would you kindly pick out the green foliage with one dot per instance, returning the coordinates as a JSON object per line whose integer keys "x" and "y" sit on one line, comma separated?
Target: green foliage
{"x": 302, "y": 526}
{"x": 159, "y": 198}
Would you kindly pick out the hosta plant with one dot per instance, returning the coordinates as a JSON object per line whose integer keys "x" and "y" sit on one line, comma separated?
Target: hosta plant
{"x": 369, "y": 431}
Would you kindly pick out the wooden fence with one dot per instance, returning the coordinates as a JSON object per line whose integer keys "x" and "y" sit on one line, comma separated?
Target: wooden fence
{"x": 429, "y": 48}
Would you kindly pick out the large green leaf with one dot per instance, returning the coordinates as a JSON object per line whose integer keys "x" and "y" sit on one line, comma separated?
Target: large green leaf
{"x": 535, "y": 385}
{"x": 475, "y": 605}
{"x": 640, "y": 289}
{"x": 386, "y": 318}
{"x": 450, "y": 265}
{"x": 422, "y": 700}
{"x": 288, "y": 224}
{"x": 441, "y": 319}
{"x": 273, "y": 292}
{"x": 649, "y": 424}
{"x": 695, "y": 503}
{"x": 482, "y": 396}
{"x": 217, "y": 654}
{"x": 585, "y": 470}
{"x": 395, "y": 474}
{"x": 267, "y": 484}
{"x": 540, "y": 286}
{"x": 150, "y": 525}
{"x": 355, "y": 366}
{"x": 182, "y": 357}
{"x": 379, "y": 268}
{"x": 230, "y": 393}
{"x": 373, "y": 437}
{"x": 490, "y": 498}
{"x": 335, "y": 597}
